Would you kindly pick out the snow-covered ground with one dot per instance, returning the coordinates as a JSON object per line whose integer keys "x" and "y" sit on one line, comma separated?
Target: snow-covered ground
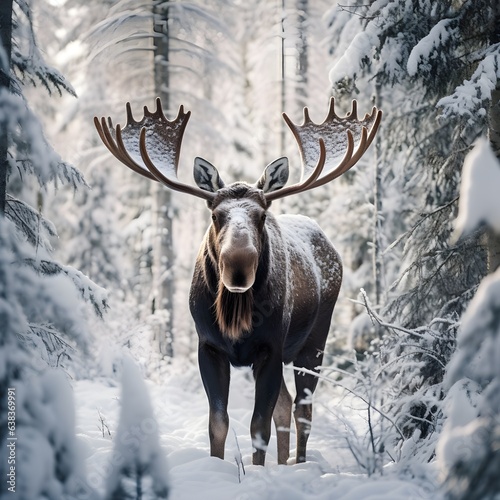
{"x": 181, "y": 411}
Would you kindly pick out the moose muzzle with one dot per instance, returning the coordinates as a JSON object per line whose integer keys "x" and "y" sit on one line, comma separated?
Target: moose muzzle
{"x": 238, "y": 265}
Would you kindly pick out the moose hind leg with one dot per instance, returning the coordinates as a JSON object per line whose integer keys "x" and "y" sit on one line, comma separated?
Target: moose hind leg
{"x": 303, "y": 419}
{"x": 305, "y": 384}
{"x": 282, "y": 417}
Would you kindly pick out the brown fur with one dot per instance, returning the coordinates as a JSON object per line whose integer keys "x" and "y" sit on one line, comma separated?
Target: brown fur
{"x": 233, "y": 312}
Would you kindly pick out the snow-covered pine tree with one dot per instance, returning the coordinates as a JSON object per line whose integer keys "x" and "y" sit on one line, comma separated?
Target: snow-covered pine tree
{"x": 111, "y": 243}
{"x": 42, "y": 314}
{"x": 138, "y": 469}
{"x": 446, "y": 57}
{"x": 469, "y": 447}
{"x": 32, "y": 166}
{"x": 91, "y": 236}
{"x": 443, "y": 44}
{"x": 6, "y": 45}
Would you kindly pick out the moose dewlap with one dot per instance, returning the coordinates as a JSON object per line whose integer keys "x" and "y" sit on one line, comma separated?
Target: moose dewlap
{"x": 264, "y": 287}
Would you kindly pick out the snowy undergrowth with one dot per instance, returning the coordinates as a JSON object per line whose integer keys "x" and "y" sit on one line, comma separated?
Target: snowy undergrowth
{"x": 181, "y": 410}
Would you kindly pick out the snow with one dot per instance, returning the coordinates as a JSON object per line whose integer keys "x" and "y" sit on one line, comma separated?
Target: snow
{"x": 423, "y": 50}
{"x": 48, "y": 458}
{"x": 479, "y": 201}
{"x": 460, "y": 444}
{"x": 478, "y": 340}
{"x": 470, "y": 97}
{"x": 181, "y": 411}
{"x": 36, "y": 461}
{"x": 159, "y": 145}
{"x": 360, "y": 329}
{"x": 468, "y": 443}
{"x": 460, "y": 408}
{"x": 136, "y": 446}
{"x": 30, "y": 142}
{"x": 348, "y": 65}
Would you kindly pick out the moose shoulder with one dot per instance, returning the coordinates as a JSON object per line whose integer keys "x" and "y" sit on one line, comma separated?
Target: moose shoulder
{"x": 264, "y": 287}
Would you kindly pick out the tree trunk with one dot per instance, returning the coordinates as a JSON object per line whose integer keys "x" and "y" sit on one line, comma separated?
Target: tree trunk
{"x": 302, "y": 49}
{"x": 163, "y": 255}
{"x": 377, "y": 227}
{"x": 282, "y": 76}
{"x": 492, "y": 238}
{"x": 377, "y": 211}
{"x": 6, "y": 45}
{"x": 494, "y": 131}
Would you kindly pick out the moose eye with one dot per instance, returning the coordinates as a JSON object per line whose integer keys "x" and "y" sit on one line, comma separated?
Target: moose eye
{"x": 214, "y": 217}
{"x": 263, "y": 218}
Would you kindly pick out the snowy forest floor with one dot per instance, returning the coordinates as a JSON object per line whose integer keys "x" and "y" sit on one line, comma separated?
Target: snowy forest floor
{"x": 181, "y": 411}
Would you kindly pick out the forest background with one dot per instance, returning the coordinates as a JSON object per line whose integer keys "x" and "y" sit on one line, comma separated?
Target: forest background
{"x": 410, "y": 275}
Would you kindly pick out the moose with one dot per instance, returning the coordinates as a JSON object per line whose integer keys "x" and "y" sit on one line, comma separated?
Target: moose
{"x": 264, "y": 286}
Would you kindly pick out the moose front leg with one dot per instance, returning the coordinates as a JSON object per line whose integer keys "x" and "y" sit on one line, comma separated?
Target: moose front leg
{"x": 215, "y": 373}
{"x": 268, "y": 373}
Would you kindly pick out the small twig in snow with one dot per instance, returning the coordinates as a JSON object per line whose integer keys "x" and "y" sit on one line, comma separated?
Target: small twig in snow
{"x": 238, "y": 458}
{"x": 104, "y": 425}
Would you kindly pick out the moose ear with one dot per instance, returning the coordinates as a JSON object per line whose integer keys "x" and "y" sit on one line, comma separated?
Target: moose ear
{"x": 275, "y": 176}
{"x": 206, "y": 175}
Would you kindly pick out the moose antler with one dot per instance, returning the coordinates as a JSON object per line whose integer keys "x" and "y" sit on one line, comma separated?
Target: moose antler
{"x": 320, "y": 145}
{"x": 334, "y": 135}
{"x": 159, "y": 160}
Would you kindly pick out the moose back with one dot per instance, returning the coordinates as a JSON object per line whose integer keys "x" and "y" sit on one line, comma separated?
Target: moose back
{"x": 264, "y": 287}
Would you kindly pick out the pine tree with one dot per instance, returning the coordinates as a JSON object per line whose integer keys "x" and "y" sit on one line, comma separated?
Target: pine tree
{"x": 42, "y": 315}
{"x": 437, "y": 85}
{"x": 443, "y": 44}
{"x": 468, "y": 450}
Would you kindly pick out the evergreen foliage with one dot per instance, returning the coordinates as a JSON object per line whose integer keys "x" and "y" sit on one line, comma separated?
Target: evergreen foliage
{"x": 407, "y": 368}
{"x": 427, "y": 130}
{"x": 468, "y": 446}
{"x": 432, "y": 66}
{"x": 42, "y": 314}
{"x": 30, "y": 155}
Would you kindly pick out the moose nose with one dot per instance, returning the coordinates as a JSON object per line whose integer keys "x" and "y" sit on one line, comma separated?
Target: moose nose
{"x": 238, "y": 267}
